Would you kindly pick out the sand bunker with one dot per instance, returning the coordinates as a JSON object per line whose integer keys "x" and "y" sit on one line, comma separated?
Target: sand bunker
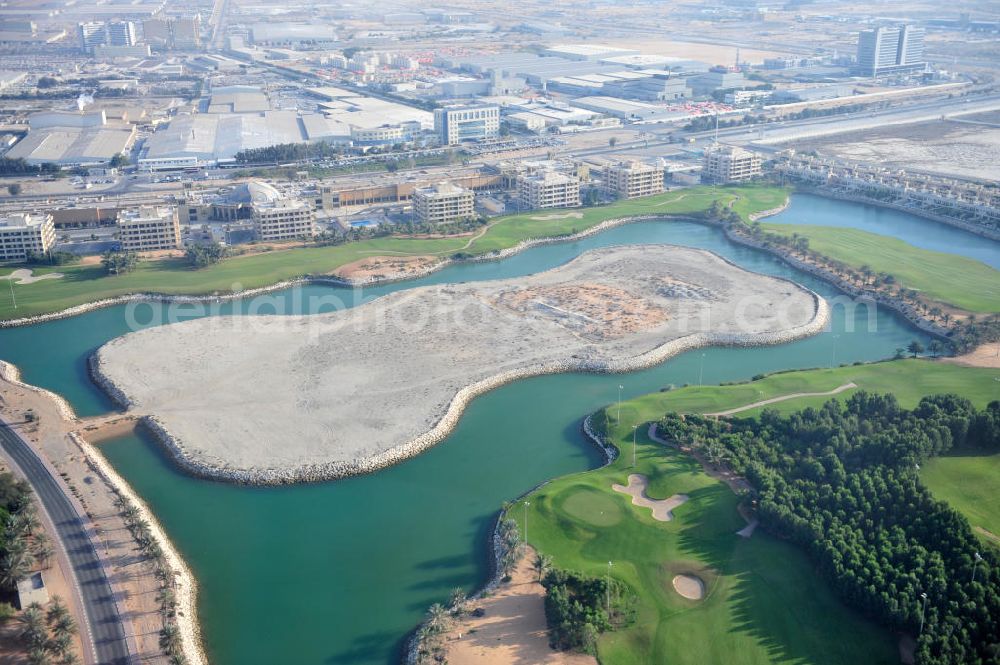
{"x": 24, "y": 276}
{"x": 565, "y": 215}
{"x": 382, "y": 267}
{"x": 689, "y": 586}
{"x": 269, "y": 399}
{"x": 662, "y": 508}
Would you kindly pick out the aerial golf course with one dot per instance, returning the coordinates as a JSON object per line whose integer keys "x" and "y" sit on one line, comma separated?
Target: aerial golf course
{"x": 763, "y": 602}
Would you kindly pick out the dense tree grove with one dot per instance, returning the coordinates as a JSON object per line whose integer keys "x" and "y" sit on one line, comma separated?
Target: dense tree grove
{"x": 841, "y": 481}
{"x": 119, "y": 263}
{"x": 579, "y": 608}
{"x": 18, "y": 166}
{"x": 288, "y": 152}
{"x": 200, "y": 256}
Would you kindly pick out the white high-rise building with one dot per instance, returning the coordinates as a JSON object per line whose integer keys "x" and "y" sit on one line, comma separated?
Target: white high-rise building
{"x": 891, "y": 50}
{"x": 632, "y": 179}
{"x": 120, "y": 33}
{"x": 728, "y": 163}
{"x": 24, "y": 234}
{"x": 548, "y": 189}
{"x": 474, "y": 122}
{"x": 149, "y": 228}
{"x": 443, "y": 203}
{"x": 91, "y": 34}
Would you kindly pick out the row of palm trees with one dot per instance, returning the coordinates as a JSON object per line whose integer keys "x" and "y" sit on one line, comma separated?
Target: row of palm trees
{"x": 25, "y": 546}
{"x": 170, "y": 636}
{"x": 48, "y": 634}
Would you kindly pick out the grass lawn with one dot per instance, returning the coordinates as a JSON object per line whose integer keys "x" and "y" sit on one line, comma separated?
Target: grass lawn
{"x": 970, "y": 483}
{"x": 946, "y": 278}
{"x": 763, "y": 601}
{"x": 83, "y": 284}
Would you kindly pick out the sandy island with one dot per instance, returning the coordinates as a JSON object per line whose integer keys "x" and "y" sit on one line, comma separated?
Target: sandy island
{"x": 274, "y": 399}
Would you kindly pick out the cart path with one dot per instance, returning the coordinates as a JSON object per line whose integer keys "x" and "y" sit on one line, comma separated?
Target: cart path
{"x": 782, "y": 398}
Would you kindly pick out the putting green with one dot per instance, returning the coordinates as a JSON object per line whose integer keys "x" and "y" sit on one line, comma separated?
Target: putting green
{"x": 592, "y": 506}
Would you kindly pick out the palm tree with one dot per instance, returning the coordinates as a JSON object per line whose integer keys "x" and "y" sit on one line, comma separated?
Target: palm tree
{"x": 170, "y": 639}
{"x": 33, "y": 630}
{"x": 542, "y": 564}
{"x": 39, "y": 656}
{"x": 60, "y": 620}
{"x": 935, "y": 347}
{"x": 437, "y": 618}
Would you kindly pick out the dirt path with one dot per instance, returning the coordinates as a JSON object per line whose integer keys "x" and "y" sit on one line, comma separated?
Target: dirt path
{"x": 512, "y": 630}
{"x": 782, "y": 398}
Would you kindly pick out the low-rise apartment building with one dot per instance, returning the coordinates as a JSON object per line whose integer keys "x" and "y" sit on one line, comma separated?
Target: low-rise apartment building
{"x": 442, "y": 203}
{"x": 728, "y": 163}
{"x": 548, "y": 189}
{"x": 284, "y": 219}
{"x": 149, "y": 228}
{"x": 632, "y": 179}
{"x": 24, "y": 234}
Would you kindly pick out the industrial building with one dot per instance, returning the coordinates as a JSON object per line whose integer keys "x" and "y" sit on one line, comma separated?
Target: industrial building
{"x": 548, "y": 189}
{"x": 24, "y": 234}
{"x": 283, "y": 219}
{"x": 70, "y": 138}
{"x": 442, "y": 203}
{"x": 474, "y": 122}
{"x": 631, "y": 179}
{"x": 149, "y": 228}
{"x": 725, "y": 164}
{"x": 891, "y": 50}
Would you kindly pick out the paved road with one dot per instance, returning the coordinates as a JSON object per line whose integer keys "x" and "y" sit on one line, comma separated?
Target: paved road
{"x": 102, "y": 614}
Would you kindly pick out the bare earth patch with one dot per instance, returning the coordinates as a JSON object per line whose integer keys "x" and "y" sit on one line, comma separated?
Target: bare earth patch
{"x": 269, "y": 399}
{"x": 383, "y": 266}
{"x": 512, "y": 628}
{"x": 565, "y": 215}
{"x": 662, "y": 508}
{"x": 595, "y": 311}
{"x": 985, "y": 355}
{"x": 689, "y": 586}
{"x": 25, "y": 276}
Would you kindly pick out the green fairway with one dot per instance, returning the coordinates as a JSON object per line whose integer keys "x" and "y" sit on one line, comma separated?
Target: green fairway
{"x": 763, "y": 603}
{"x": 908, "y": 379}
{"x": 946, "y": 278}
{"x": 83, "y": 284}
{"x": 971, "y": 484}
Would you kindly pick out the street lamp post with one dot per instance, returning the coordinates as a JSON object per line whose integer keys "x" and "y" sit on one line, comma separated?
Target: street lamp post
{"x": 620, "y": 402}
{"x": 975, "y": 564}
{"x": 607, "y": 589}
{"x": 633, "y": 443}
{"x": 701, "y": 369}
{"x": 923, "y": 612}
{"x": 526, "y": 504}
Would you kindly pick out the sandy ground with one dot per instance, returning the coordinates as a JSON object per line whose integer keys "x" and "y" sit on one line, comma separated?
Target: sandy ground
{"x": 986, "y": 355}
{"x": 132, "y": 576}
{"x": 513, "y": 630}
{"x": 716, "y": 54}
{"x": 25, "y": 276}
{"x": 565, "y": 215}
{"x": 283, "y": 393}
{"x": 689, "y": 586}
{"x": 381, "y": 266}
{"x": 662, "y": 508}
{"x": 948, "y": 147}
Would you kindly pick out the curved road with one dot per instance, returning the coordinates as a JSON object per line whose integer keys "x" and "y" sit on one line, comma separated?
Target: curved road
{"x": 106, "y": 630}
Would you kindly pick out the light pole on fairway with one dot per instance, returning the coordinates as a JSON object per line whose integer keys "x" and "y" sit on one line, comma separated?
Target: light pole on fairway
{"x": 526, "y": 504}
{"x": 923, "y": 612}
{"x": 634, "y": 427}
{"x": 619, "y": 419}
